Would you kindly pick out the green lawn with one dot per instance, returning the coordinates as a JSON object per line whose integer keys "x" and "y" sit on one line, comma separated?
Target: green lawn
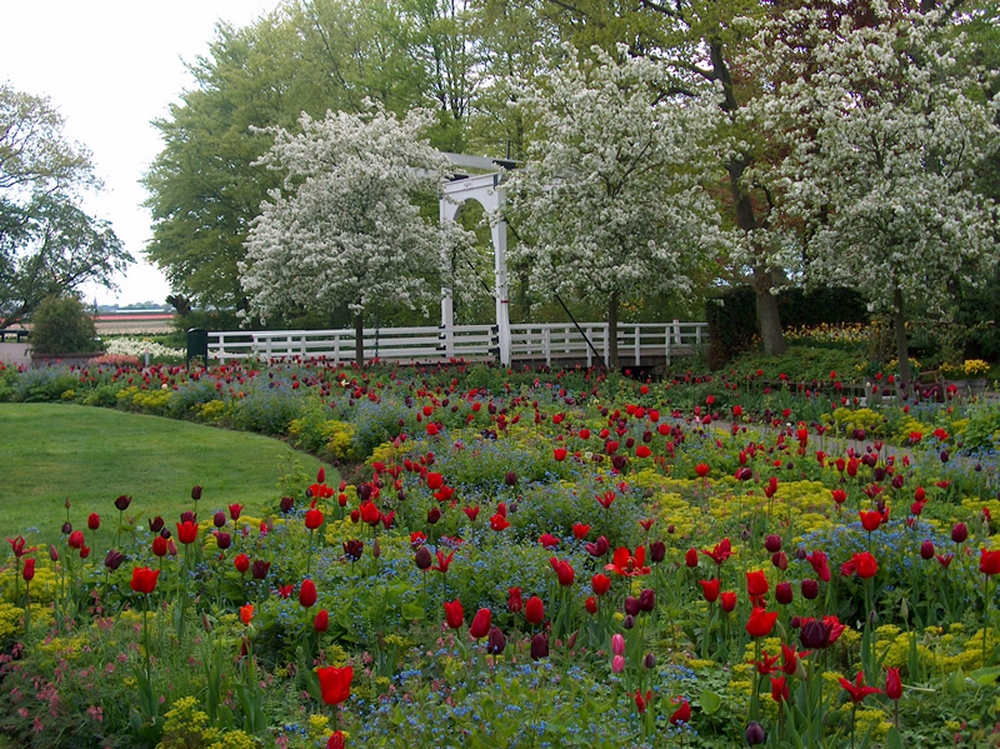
{"x": 51, "y": 452}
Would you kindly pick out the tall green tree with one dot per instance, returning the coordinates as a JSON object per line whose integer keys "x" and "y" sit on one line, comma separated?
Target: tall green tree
{"x": 48, "y": 245}
{"x": 884, "y": 129}
{"x": 347, "y": 223}
{"x": 610, "y": 203}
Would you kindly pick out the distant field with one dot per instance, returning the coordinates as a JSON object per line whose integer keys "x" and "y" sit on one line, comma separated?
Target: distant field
{"x": 51, "y": 452}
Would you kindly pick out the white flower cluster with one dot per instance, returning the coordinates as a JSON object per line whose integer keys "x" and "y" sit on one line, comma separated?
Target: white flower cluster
{"x": 347, "y": 227}
{"x": 139, "y": 347}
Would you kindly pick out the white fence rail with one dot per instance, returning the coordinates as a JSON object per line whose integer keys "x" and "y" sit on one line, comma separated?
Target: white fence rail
{"x": 550, "y": 343}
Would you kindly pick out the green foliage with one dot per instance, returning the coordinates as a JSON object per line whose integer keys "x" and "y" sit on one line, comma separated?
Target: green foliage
{"x": 62, "y": 325}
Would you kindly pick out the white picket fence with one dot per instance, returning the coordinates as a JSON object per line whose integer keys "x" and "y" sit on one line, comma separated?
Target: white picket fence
{"x": 549, "y": 343}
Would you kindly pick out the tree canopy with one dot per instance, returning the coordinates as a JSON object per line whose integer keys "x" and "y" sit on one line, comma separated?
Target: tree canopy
{"x": 48, "y": 245}
{"x": 883, "y": 128}
{"x": 610, "y": 204}
{"x": 347, "y": 223}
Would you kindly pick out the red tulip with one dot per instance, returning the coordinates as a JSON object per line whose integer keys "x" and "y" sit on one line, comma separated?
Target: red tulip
{"x": 234, "y": 511}
{"x": 322, "y": 621}
{"x": 336, "y": 740}
{"x": 820, "y": 566}
{"x": 702, "y": 470}
{"x": 94, "y": 521}
{"x": 75, "y": 540}
{"x": 453, "y": 614}
{"x": 989, "y": 562}
{"x": 240, "y": 561}
{"x": 600, "y": 584}
{"x": 144, "y": 579}
{"x": 499, "y": 522}
{"x": 691, "y": 558}
{"x": 721, "y": 552}
{"x": 187, "y": 532}
{"x": 335, "y": 683}
{"x": 580, "y": 531}
{"x": 559, "y": 453}
{"x": 313, "y": 519}
{"x": 564, "y": 571}
{"x": 28, "y": 571}
{"x": 893, "y": 684}
{"x": 681, "y": 714}
{"x": 862, "y": 563}
{"x": 480, "y": 626}
{"x": 307, "y": 593}
{"x": 779, "y": 689}
{"x": 870, "y": 521}
{"x": 757, "y": 583}
{"x": 728, "y": 601}
{"x": 710, "y": 588}
{"x": 857, "y": 690}
{"x": 761, "y": 622}
{"x": 514, "y": 600}
{"x": 534, "y": 610}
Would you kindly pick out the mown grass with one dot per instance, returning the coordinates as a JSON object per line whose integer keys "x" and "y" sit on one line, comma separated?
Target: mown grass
{"x": 53, "y": 452}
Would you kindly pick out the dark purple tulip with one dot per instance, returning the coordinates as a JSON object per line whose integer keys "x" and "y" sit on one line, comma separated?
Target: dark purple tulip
{"x": 539, "y": 646}
{"x": 495, "y": 642}
{"x": 959, "y": 533}
{"x": 773, "y": 543}
{"x": 114, "y": 559}
{"x": 353, "y": 549}
{"x": 195, "y": 492}
{"x": 260, "y": 569}
{"x": 224, "y": 540}
{"x": 657, "y": 551}
{"x": 422, "y": 558}
{"x": 287, "y": 503}
{"x": 632, "y": 606}
{"x": 927, "y": 550}
{"x": 123, "y": 502}
{"x": 783, "y": 593}
{"x": 219, "y": 519}
{"x": 188, "y": 517}
{"x": 156, "y": 524}
{"x": 814, "y": 635}
{"x": 755, "y": 733}
{"x": 433, "y": 515}
{"x": 647, "y": 600}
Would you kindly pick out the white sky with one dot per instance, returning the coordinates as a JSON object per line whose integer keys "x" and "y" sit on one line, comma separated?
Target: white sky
{"x": 110, "y": 67}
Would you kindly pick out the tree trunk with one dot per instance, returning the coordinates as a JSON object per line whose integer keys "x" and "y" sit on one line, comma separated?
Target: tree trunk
{"x": 899, "y": 328}
{"x": 763, "y": 277}
{"x": 613, "y": 331}
{"x": 359, "y": 340}
{"x": 768, "y": 317}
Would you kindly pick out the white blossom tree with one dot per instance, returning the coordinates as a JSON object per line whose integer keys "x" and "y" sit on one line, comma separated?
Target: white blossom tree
{"x": 880, "y": 130}
{"x": 609, "y": 204}
{"x": 347, "y": 227}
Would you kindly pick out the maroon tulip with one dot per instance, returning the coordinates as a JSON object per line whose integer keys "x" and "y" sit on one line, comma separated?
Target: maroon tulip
{"x": 260, "y": 569}
{"x": 123, "y": 502}
{"x": 927, "y": 550}
{"x": 959, "y": 533}
{"x": 539, "y": 646}
{"x": 94, "y": 521}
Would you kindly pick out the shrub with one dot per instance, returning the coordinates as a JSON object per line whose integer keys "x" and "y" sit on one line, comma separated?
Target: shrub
{"x": 61, "y": 325}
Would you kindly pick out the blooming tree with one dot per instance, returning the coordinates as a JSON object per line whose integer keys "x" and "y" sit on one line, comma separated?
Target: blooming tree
{"x": 347, "y": 227}
{"x": 609, "y": 203}
{"x": 880, "y": 129}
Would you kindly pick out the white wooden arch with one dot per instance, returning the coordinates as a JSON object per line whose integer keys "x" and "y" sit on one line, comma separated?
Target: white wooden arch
{"x": 488, "y": 191}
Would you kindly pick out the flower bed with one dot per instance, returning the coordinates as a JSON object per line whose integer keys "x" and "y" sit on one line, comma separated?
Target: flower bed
{"x": 519, "y": 560}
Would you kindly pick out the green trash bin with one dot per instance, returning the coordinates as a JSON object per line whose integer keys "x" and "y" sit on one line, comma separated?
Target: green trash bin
{"x": 197, "y": 345}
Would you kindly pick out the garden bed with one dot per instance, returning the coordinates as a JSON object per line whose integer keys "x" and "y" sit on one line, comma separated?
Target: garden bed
{"x": 572, "y": 560}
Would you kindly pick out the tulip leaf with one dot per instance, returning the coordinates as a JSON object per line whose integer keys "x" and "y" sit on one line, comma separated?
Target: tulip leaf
{"x": 893, "y": 739}
{"x": 985, "y": 676}
{"x": 710, "y": 702}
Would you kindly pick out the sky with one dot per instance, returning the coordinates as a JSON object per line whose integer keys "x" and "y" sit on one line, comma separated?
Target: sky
{"x": 110, "y": 67}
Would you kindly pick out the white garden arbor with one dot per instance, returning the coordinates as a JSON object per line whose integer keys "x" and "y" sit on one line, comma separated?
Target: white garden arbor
{"x": 487, "y": 190}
